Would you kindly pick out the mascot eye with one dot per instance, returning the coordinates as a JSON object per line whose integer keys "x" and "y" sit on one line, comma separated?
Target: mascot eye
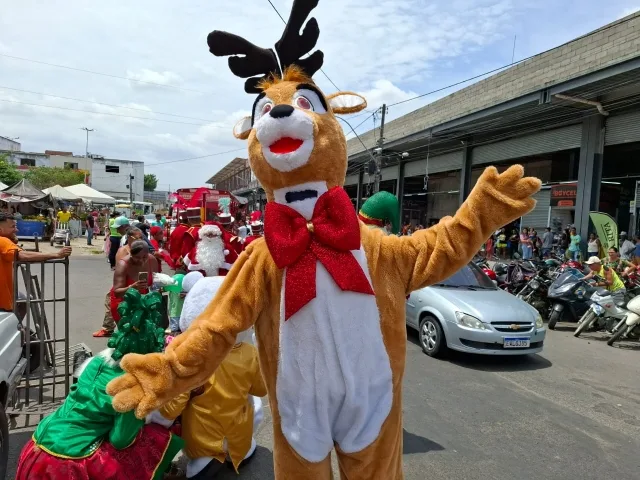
{"x": 304, "y": 103}
{"x": 266, "y": 108}
{"x": 307, "y": 99}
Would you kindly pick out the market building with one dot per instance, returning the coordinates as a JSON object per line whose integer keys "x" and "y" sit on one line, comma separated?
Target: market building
{"x": 236, "y": 177}
{"x": 570, "y": 116}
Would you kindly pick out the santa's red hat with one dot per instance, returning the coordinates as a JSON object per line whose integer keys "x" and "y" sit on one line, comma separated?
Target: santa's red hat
{"x": 209, "y": 230}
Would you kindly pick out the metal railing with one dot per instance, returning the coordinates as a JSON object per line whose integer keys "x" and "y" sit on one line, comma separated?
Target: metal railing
{"x": 45, "y": 329}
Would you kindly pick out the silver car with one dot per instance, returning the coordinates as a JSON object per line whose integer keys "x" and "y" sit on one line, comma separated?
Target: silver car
{"x": 468, "y": 313}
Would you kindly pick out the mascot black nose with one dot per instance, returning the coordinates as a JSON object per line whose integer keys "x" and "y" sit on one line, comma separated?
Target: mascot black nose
{"x": 281, "y": 111}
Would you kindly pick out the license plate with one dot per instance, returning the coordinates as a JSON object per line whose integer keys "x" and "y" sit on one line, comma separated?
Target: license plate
{"x": 521, "y": 342}
{"x": 597, "y": 309}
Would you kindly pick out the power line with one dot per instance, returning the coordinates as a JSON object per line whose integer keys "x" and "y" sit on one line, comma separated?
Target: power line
{"x": 365, "y": 120}
{"x": 103, "y": 74}
{"x": 615, "y": 24}
{"x": 109, "y": 114}
{"x": 100, "y": 103}
{"x": 285, "y": 22}
{"x": 196, "y": 158}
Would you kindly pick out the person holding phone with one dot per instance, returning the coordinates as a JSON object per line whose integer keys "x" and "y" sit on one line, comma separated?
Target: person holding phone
{"x": 133, "y": 271}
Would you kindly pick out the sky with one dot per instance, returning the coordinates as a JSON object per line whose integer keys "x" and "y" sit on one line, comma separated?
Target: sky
{"x": 165, "y": 100}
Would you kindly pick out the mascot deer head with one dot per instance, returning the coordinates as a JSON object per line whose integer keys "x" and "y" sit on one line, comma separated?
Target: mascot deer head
{"x": 297, "y": 149}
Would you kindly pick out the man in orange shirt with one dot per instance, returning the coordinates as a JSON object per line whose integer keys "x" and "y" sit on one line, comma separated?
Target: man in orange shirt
{"x": 8, "y": 249}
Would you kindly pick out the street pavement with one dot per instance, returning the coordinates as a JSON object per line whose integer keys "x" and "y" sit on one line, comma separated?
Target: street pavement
{"x": 572, "y": 412}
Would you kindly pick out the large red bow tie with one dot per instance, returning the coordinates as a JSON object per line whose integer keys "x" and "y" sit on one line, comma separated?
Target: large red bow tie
{"x": 328, "y": 237}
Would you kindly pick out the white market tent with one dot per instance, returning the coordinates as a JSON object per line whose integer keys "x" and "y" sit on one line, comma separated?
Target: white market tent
{"x": 3, "y": 186}
{"x": 61, "y": 193}
{"x": 89, "y": 194}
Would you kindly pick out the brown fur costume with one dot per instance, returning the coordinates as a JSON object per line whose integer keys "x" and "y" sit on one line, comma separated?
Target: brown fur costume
{"x": 329, "y": 384}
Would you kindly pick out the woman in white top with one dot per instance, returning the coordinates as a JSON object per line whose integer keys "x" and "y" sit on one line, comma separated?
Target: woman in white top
{"x": 593, "y": 246}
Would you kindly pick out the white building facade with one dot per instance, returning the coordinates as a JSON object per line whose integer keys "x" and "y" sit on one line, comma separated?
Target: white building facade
{"x": 9, "y": 144}
{"x": 115, "y": 178}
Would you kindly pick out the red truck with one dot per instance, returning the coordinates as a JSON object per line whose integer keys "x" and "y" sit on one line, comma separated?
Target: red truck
{"x": 206, "y": 199}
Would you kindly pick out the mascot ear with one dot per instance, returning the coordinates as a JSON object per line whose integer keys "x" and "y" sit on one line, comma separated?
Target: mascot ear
{"x": 343, "y": 103}
{"x": 242, "y": 129}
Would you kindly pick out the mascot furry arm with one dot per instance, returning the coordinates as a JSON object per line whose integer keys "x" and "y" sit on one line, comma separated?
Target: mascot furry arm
{"x": 325, "y": 292}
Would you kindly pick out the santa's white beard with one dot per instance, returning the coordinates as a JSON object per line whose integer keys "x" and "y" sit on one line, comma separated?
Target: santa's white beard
{"x": 210, "y": 255}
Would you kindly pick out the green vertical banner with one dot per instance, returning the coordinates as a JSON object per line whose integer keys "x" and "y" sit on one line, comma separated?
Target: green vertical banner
{"x": 606, "y": 227}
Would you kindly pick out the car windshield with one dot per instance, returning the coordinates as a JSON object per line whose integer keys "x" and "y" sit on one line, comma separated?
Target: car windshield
{"x": 470, "y": 277}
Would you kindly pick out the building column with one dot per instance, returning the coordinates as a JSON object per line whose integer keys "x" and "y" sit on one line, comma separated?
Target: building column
{"x": 360, "y": 187}
{"x": 400, "y": 187}
{"x": 465, "y": 174}
{"x": 589, "y": 174}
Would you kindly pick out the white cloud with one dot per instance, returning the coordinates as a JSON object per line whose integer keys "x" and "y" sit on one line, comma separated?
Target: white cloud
{"x": 389, "y": 50}
{"x": 146, "y": 78}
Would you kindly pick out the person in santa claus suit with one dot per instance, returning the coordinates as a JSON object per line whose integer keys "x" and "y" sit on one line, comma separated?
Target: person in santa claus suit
{"x": 208, "y": 256}
{"x": 175, "y": 241}
{"x": 190, "y": 237}
{"x": 232, "y": 243}
{"x": 257, "y": 228}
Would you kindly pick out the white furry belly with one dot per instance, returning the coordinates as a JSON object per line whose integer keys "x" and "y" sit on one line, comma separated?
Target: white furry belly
{"x": 334, "y": 380}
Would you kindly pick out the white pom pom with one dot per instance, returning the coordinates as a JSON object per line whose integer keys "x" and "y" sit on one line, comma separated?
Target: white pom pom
{"x": 226, "y": 252}
{"x": 190, "y": 279}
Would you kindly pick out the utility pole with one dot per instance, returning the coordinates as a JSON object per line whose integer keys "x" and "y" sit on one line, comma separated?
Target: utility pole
{"x": 87, "y": 147}
{"x": 131, "y": 179}
{"x": 378, "y": 176}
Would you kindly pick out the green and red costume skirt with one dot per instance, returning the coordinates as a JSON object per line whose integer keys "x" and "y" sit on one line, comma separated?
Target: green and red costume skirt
{"x": 148, "y": 458}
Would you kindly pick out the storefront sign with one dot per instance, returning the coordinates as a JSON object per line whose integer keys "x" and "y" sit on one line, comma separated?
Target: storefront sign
{"x": 564, "y": 195}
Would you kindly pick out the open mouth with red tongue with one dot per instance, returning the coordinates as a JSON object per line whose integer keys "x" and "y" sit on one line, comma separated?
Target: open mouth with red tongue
{"x": 285, "y": 145}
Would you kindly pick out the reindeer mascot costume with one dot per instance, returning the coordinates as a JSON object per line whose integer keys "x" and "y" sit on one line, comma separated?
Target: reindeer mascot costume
{"x": 325, "y": 293}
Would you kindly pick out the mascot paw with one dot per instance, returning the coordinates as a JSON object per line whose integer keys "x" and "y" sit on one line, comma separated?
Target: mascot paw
{"x": 511, "y": 189}
{"x": 148, "y": 379}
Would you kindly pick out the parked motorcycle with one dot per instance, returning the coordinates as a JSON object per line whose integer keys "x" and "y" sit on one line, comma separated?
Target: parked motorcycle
{"x": 604, "y": 309}
{"x": 535, "y": 292}
{"x": 569, "y": 295}
{"x": 517, "y": 276}
{"x": 631, "y": 322}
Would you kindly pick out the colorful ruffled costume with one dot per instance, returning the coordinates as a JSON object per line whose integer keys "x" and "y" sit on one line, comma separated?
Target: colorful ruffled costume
{"x": 325, "y": 292}
{"x": 86, "y": 439}
{"x": 219, "y": 418}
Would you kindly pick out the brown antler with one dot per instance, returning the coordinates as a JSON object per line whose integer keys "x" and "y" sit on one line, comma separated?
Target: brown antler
{"x": 255, "y": 60}
{"x": 293, "y": 45}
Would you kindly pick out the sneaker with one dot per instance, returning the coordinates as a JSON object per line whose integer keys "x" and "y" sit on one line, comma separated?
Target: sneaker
{"x": 102, "y": 333}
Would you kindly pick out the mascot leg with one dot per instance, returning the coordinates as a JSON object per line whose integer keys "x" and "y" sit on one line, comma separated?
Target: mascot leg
{"x": 383, "y": 458}
{"x": 288, "y": 465}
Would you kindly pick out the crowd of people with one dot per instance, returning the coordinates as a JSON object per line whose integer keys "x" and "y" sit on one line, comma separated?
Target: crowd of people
{"x": 214, "y": 424}
{"x": 528, "y": 244}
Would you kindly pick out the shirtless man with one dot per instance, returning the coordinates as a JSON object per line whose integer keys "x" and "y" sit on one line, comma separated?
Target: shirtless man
{"x": 126, "y": 274}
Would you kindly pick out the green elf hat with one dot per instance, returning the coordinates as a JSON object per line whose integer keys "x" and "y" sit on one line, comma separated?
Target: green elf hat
{"x": 380, "y": 207}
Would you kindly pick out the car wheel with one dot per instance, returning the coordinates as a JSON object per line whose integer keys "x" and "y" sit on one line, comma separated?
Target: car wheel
{"x": 4, "y": 443}
{"x": 432, "y": 339}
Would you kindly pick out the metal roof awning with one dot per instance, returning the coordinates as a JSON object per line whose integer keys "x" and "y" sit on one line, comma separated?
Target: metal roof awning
{"x": 232, "y": 168}
{"x": 240, "y": 200}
